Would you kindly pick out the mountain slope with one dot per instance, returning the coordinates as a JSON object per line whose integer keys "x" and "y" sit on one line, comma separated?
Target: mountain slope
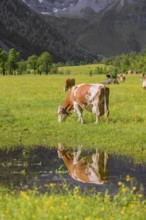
{"x": 118, "y": 27}
{"x": 29, "y": 33}
{"x": 118, "y": 30}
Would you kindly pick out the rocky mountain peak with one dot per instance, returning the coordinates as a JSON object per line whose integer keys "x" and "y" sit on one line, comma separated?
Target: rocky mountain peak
{"x": 73, "y": 7}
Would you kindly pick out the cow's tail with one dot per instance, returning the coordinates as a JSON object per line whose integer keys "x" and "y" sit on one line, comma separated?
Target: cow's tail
{"x": 106, "y": 102}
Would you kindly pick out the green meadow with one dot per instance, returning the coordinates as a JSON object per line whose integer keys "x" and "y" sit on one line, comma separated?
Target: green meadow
{"x": 28, "y": 118}
{"x": 28, "y": 115}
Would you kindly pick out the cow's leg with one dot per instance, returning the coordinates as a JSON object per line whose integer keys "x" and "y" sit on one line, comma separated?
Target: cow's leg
{"x": 106, "y": 116}
{"x": 105, "y": 161}
{"x": 76, "y": 156}
{"x": 95, "y": 163}
{"x": 79, "y": 111}
{"x": 96, "y": 111}
{"x": 95, "y": 157}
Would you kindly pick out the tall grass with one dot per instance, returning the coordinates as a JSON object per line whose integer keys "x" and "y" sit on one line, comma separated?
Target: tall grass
{"x": 28, "y": 115}
{"x": 125, "y": 205}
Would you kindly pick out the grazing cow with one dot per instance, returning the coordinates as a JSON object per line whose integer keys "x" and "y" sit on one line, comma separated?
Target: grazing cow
{"x": 121, "y": 78}
{"x": 87, "y": 169}
{"x": 142, "y": 76}
{"x": 92, "y": 97}
{"x": 111, "y": 76}
{"x": 70, "y": 82}
{"x": 130, "y": 71}
{"x": 144, "y": 84}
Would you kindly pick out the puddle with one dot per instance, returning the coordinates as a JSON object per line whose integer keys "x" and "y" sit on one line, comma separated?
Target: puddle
{"x": 49, "y": 169}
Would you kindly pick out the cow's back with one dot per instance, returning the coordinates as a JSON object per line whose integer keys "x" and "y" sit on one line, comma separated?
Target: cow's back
{"x": 86, "y": 94}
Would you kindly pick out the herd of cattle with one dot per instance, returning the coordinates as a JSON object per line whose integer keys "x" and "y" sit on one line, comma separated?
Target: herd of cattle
{"x": 92, "y": 97}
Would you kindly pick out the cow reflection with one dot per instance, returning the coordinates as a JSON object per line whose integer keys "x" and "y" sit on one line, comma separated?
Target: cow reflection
{"x": 88, "y": 169}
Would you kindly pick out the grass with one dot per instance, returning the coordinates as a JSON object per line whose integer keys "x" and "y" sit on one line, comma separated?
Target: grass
{"x": 83, "y": 69}
{"x": 28, "y": 115}
{"x": 73, "y": 205}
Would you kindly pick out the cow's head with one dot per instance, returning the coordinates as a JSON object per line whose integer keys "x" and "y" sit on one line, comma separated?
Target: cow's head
{"x": 62, "y": 113}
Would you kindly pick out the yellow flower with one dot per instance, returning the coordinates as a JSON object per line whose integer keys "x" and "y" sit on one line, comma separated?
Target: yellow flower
{"x": 124, "y": 189}
{"x": 102, "y": 209}
{"x": 24, "y": 195}
{"x": 87, "y": 218}
{"x": 140, "y": 195}
{"x": 132, "y": 205}
{"x": 122, "y": 212}
{"x": 127, "y": 178}
{"x": 47, "y": 203}
{"x": 119, "y": 183}
{"x": 134, "y": 188}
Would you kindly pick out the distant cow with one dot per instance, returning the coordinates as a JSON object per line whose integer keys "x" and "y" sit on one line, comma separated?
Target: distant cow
{"x": 121, "y": 78}
{"x": 143, "y": 78}
{"x": 87, "y": 169}
{"x": 92, "y": 97}
{"x": 144, "y": 84}
{"x": 70, "y": 82}
{"x": 111, "y": 76}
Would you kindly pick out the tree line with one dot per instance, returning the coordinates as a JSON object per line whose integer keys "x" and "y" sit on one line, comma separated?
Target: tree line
{"x": 11, "y": 63}
{"x": 132, "y": 61}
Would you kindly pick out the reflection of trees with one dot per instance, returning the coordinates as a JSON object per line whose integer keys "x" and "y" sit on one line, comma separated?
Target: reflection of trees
{"x": 91, "y": 168}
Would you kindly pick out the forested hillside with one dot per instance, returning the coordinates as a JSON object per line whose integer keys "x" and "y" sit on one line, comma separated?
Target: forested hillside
{"x": 29, "y": 33}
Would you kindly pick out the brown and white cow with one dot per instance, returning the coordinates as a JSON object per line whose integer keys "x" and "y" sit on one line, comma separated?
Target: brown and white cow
{"x": 69, "y": 83}
{"x": 92, "y": 97}
{"x": 143, "y": 78}
{"x": 121, "y": 78}
{"x": 88, "y": 169}
{"x": 144, "y": 84}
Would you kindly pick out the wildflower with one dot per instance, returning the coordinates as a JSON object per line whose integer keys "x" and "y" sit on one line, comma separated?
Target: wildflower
{"x": 132, "y": 205}
{"x": 127, "y": 178}
{"x": 134, "y": 188}
{"x": 122, "y": 212}
{"x": 24, "y": 195}
{"x": 87, "y": 218}
{"x": 102, "y": 209}
{"x": 124, "y": 189}
{"x": 47, "y": 203}
{"x": 119, "y": 183}
{"x": 140, "y": 195}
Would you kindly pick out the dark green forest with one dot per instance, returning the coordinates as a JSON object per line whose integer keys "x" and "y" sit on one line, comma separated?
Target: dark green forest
{"x": 29, "y": 33}
{"x": 12, "y": 63}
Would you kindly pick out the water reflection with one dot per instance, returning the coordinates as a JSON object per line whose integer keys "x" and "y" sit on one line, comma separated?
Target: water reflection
{"x": 88, "y": 169}
{"x": 41, "y": 168}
